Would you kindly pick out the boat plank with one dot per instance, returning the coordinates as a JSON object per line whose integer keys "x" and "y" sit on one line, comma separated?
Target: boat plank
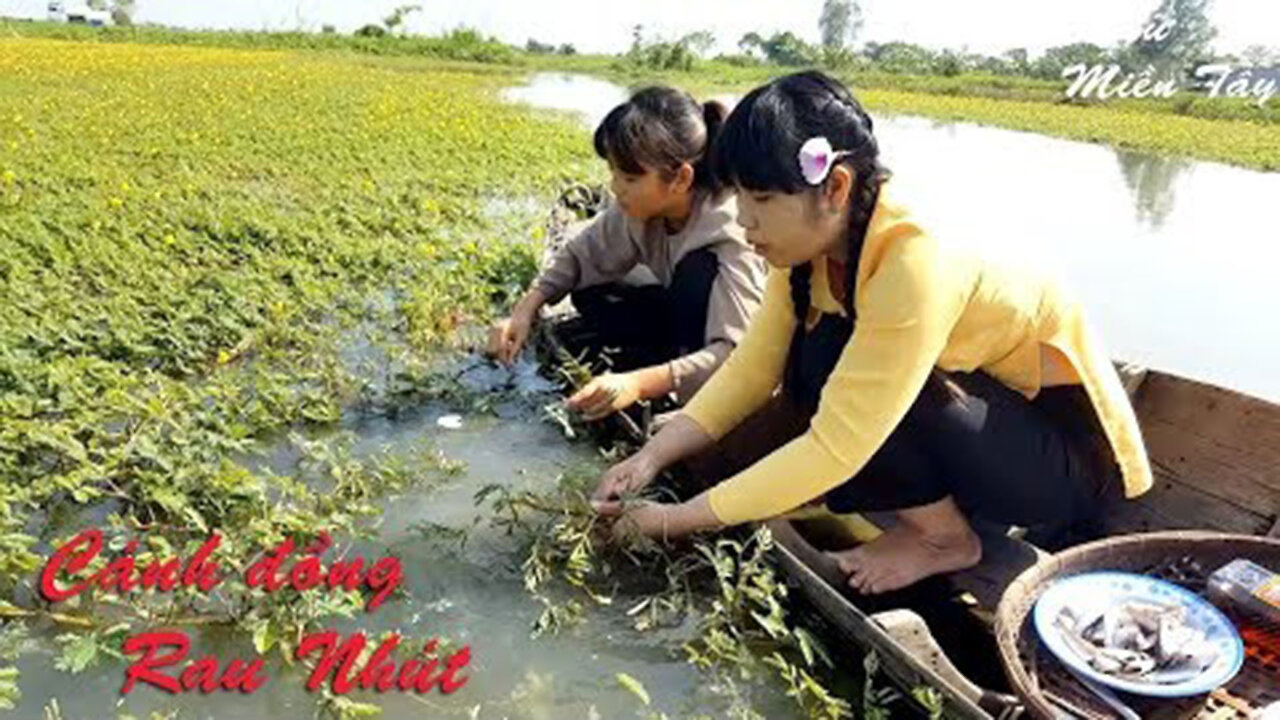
{"x": 1174, "y": 505}
{"x": 818, "y": 578}
{"x": 1236, "y": 430}
{"x": 1216, "y": 469}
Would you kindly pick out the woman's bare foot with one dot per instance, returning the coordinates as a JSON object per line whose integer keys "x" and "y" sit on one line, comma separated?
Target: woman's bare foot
{"x": 928, "y": 540}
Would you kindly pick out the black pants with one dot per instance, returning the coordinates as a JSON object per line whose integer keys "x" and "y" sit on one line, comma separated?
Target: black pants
{"x": 1044, "y": 464}
{"x": 1041, "y": 464}
{"x": 638, "y": 326}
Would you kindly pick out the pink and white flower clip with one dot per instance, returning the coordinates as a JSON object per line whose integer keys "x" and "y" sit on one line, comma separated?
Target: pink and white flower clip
{"x": 817, "y": 158}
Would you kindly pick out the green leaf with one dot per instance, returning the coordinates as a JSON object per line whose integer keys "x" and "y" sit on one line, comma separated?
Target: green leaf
{"x": 634, "y": 686}
{"x": 352, "y": 710}
{"x": 264, "y": 637}
{"x": 9, "y": 692}
{"x": 78, "y": 653}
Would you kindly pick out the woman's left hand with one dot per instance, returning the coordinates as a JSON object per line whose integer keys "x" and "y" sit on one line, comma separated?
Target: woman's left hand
{"x": 606, "y": 394}
{"x": 644, "y": 517}
{"x": 660, "y": 521}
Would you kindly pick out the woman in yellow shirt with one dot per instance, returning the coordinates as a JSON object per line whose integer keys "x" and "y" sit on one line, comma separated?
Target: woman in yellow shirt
{"x": 913, "y": 377}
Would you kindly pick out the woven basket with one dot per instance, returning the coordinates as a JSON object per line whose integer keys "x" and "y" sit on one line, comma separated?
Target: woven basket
{"x": 1045, "y": 685}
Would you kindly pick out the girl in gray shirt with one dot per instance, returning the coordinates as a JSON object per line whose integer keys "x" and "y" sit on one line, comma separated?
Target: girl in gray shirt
{"x": 668, "y": 216}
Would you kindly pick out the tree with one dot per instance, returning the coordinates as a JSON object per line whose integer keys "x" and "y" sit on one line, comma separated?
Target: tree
{"x": 1019, "y": 61}
{"x": 662, "y": 55}
{"x": 699, "y": 42}
{"x": 948, "y": 63}
{"x": 122, "y": 12}
{"x": 397, "y": 16}
{"x": 1261, "y": 56}
{"x": 567, "y": 49}
{"x": 371, "y": 31}
{"x": 1178, "y": 32}
{"x": 901, "y": 57}
{"x": 1056, "y": 59}
{"x": 784, "y": 48}
{"x": 840, "y": 23}
{"x": 751, "y": 43}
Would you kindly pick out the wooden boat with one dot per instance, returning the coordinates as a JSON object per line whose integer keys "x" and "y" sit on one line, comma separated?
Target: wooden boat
{"x": 1216, "y": 456}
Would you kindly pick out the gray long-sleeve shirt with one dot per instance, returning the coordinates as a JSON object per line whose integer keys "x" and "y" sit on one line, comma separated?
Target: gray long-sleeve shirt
{"x": 613, "y": 244}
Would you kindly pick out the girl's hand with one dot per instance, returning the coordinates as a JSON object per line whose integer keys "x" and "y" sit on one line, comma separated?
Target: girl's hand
{"x": 627, "y": 477}
{"x": 507, "y": 337}
{"x": 606, "y": 394}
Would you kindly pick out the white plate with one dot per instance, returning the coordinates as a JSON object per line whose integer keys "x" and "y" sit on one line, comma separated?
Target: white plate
{"x": 1093, "y": 592}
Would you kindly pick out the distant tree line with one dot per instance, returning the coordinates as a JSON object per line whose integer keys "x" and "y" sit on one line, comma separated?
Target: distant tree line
{"x": 1184, "y": 44}
{"x": 534, "y": 47}
{"x": 1177, "y": 35}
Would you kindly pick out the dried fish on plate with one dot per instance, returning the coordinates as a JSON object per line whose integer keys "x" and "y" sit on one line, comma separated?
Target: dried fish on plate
{"x": 1138, "y": 641}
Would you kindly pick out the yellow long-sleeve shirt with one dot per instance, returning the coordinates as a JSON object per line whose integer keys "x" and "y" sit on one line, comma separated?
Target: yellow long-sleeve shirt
{"x": 918, "y": 305}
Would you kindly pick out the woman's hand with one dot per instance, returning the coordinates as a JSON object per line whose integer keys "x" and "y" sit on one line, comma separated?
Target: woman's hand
{"x": 507, "y": 337}
{"x": 606, "y": 394}
{"x": 627, "y": 477}
{"x": 643, "y": 517}
{"x": 660, "y": 521}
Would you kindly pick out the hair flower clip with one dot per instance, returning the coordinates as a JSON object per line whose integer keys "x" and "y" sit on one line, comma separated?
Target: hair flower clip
{"x": 817, "y": 158}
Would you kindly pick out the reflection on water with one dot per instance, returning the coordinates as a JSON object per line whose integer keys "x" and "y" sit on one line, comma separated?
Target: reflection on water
{"x": 1174, "y": 259}
{"x": 590, "y": 98}
{"x": 1151, "y": 180}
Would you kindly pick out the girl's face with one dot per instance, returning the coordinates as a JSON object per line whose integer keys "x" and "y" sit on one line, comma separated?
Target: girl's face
{"x": 647, "y": 195}
{"x": 790, "y": 229}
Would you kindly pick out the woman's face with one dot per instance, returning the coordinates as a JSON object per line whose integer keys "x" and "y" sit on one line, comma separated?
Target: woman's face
{"x": 787, "y": 229}
{"x": 646, "y": 195}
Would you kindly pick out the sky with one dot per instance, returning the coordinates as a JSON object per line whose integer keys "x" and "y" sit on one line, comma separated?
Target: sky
{"x": 988, "y": 26}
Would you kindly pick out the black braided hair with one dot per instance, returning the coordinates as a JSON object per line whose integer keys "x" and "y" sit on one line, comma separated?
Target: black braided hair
{"x": 758, "y": 147}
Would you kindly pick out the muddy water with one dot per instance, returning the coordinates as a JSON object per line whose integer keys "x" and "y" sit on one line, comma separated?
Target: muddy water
{"x": 1174, "y": 259}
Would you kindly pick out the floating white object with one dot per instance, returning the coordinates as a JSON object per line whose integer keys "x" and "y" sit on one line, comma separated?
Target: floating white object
{"x": 450, "y": 422}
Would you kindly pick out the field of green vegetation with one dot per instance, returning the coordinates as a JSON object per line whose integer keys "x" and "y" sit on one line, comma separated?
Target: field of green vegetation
{"x": 193, "y": 239}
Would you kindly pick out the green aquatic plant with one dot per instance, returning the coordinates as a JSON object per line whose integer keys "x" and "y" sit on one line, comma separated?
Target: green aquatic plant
{"x": 727, "y": 585}
{"x": 211, "y": 256}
